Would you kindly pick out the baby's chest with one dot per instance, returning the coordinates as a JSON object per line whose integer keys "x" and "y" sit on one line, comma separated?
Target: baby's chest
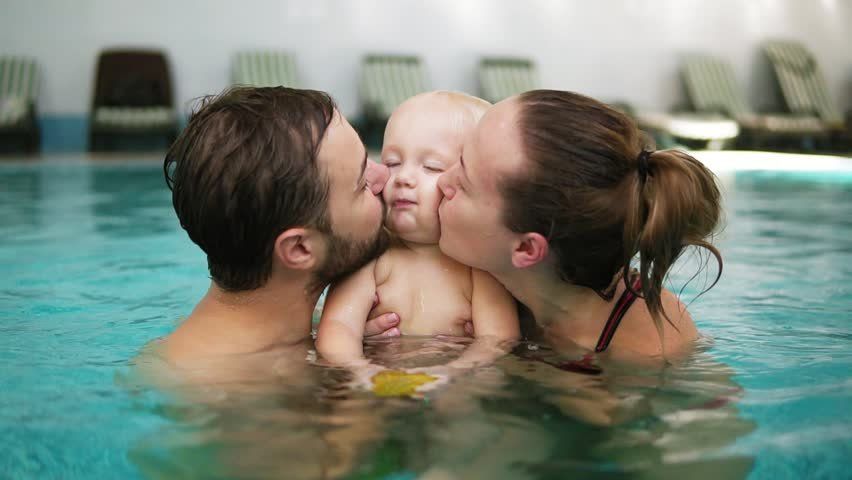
{"x": 426, "y": 304}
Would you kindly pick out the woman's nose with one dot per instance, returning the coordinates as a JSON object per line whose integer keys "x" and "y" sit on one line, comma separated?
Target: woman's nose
{"x": 377, "y": 176}
{"x": 446, "y": 182}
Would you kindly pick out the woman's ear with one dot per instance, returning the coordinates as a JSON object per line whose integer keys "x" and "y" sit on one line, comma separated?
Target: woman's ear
{"x": 298, "y": 248}
{"x": 530, "y": 250}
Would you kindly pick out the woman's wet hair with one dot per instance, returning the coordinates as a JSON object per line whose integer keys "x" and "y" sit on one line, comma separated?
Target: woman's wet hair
{"x": 601, "y": 196}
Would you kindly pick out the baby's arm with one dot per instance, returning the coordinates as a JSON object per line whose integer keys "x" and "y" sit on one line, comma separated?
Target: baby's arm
{"x": 340, "y": 335}
{"x": 495, "y": 314}
{"x": 495, "y": 321}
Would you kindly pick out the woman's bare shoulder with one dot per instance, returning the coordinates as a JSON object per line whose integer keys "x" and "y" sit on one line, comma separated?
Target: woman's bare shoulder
{"x": 638, "y": 331}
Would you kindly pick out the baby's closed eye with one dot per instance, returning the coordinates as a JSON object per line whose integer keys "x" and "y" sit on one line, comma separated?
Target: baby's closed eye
{"x": 434, "y": 166}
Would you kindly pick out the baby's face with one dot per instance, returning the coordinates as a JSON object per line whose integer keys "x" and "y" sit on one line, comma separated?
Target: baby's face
{"x": 422, "y": 140}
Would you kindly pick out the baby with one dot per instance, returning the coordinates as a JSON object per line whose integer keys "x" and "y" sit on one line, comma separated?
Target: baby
{"x": 432, "y": 293}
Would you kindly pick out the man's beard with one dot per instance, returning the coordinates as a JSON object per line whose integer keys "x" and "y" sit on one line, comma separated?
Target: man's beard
{"x": 346, "y": 256}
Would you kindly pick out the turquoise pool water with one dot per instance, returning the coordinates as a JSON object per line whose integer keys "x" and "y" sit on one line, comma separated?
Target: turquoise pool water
{"x": 93, "y": 265}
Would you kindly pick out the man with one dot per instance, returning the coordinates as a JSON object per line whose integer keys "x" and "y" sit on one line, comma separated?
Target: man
{"x": 274, "y": 185}
{"x": 276, "y": 188}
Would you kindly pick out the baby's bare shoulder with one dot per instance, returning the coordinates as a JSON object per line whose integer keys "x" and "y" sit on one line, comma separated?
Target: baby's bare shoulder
{"x": 384, "y": 265}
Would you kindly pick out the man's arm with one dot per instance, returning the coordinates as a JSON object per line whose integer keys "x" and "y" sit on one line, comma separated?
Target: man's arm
{"x": 385, "y": 325}
{"x": 341, "y": 330}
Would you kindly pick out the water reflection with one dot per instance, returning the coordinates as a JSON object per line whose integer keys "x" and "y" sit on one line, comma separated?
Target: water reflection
{"x": 128, "y": 203}
{"x": 19, "y": 198}
{"x": 519, "y": 418}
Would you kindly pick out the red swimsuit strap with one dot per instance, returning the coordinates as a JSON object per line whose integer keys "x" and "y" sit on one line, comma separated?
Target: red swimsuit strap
{"x": 621, "y": 306}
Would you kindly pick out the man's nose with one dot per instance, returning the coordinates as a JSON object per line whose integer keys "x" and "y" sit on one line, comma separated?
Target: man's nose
{"x": 377, "y": 176}
{"x": 446, "y": 182}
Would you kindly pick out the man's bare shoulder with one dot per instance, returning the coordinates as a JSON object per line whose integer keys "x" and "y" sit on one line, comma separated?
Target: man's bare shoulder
{"x": 186, "y": 343}
{"x": 161, "y": 366}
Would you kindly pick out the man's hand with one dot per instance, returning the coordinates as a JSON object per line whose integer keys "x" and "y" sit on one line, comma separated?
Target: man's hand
{"x": 385, "y": 325}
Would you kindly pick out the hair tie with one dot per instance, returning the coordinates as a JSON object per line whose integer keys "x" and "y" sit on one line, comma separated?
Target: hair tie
{"x": 642, "y": 161}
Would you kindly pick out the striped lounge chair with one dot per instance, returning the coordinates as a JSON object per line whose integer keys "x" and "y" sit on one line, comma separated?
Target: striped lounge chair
{"x": 802, "y": 83}
{"x": 20, "y": 79}
{"x": 387, "y": 81}
{"x": 133, "y": 97}
{"x": 501, "y": 78}
{"x": 265, "y": 69}
{"x": 711, "y": 86}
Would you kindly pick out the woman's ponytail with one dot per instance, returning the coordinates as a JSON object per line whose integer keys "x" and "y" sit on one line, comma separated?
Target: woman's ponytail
{"x": 675, "y": 204}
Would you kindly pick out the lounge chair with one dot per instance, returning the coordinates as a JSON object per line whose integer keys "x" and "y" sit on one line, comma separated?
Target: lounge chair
{"x": 804, "y": 89}
{"x": 802, "y": 83}
{"x": 711, "y": 86}
{"x": 20, "y": 79}
{"x": 387, "y": 81}
{"x": 501, "y": 77}
{"x": 133, "y": 97}
{"x": 265, "y": 69}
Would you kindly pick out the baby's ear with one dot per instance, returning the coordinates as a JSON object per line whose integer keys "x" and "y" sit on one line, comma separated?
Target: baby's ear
{"x": 530, "y": 249}
{"x": 299, "y": 248}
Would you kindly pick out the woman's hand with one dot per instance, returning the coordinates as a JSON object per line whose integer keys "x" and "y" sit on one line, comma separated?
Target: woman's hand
{"x": 468, "y": 328}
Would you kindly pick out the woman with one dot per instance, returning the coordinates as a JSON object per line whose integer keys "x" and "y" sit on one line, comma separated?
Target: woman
{"x": 555, "y": 195}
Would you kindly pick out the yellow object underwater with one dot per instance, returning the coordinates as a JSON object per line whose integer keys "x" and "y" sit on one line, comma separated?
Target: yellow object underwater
{"x": 397, "y": 383}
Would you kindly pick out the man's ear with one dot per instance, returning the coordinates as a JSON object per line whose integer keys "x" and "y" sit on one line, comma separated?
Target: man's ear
{"x": 530, "y": 250}
{"x": 298, "y": 248}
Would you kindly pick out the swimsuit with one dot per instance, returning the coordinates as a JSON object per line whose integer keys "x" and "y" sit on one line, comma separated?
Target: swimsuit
{"x": 618, "y": 311}
{"x": 585, "y": 365}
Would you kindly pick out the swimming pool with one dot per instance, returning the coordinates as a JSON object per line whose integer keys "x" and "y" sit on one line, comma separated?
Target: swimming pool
{"x": 93, "y": 265}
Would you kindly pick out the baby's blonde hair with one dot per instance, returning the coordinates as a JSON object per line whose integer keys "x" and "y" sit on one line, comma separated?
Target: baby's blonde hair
{"x": 468, "y": 109}
{"x": 475, "y": 106}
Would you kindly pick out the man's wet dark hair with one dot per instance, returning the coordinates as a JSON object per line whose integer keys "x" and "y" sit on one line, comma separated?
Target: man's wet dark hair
{"x": 243, "y": 171}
